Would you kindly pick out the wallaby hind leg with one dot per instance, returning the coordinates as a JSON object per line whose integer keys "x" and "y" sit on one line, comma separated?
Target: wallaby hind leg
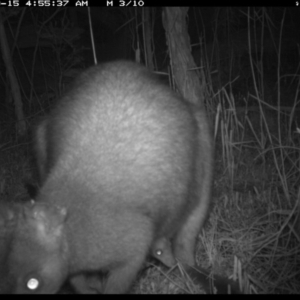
{"x": 88, "y": 284}
{"x": 120, "y": 279}
{"x": 133, "y": 250}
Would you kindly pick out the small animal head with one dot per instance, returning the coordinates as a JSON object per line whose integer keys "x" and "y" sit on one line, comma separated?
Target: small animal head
{"x": 162, "y": 250}
{"x": 33, "y": 251}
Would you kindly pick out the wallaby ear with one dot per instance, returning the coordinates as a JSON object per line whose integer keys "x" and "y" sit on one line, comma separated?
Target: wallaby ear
{"x": 48, "y": 222}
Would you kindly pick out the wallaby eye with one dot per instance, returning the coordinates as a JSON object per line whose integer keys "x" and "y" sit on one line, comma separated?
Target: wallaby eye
{"x": 159, "y": 252}
{"x": 33, "y": 284}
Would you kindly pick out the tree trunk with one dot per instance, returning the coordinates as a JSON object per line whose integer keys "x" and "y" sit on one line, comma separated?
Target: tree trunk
{"x": 15, "y": 89}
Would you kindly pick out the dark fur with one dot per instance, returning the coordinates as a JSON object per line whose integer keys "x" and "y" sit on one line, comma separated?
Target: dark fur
{"x": 123, "y": 162}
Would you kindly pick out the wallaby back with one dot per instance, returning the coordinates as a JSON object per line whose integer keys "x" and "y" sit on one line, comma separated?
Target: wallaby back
{"x": 123, "y": 162}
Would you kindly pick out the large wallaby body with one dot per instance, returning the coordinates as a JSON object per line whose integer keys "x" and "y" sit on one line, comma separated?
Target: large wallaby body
{"x": 123, "y": 163}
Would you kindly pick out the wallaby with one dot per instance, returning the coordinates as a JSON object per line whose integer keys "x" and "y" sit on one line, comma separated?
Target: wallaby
{"x": 162, "y": 251}
{"x": 123, "y": 162}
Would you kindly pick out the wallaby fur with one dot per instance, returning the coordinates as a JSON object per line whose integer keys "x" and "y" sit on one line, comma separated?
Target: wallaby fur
{"x": 123, "y": 162}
